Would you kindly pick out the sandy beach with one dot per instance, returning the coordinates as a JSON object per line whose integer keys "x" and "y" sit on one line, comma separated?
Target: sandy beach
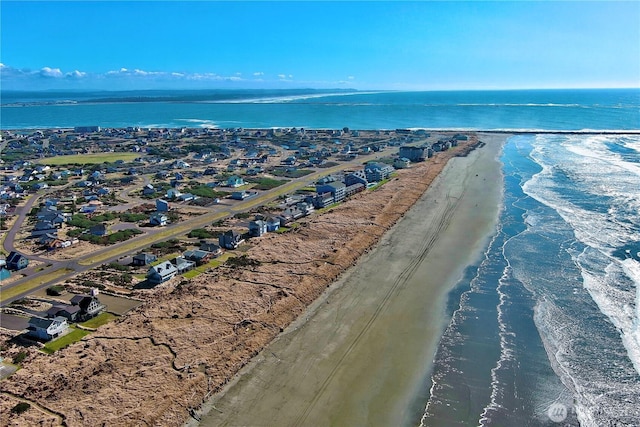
{"x": 362, "y": 353}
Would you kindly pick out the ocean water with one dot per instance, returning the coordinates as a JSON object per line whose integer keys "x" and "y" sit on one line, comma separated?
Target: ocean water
{"x": 545, "y": 330}
{"x": 533, "y": 109}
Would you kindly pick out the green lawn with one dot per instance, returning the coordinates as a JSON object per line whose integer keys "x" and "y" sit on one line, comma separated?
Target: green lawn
{"x": 214, "y": 263}
{"x": 191, "y": 274}
{"x": 74, "y": 336}
{"x": 88, "y": 159}
{"x": 99, "y": 320}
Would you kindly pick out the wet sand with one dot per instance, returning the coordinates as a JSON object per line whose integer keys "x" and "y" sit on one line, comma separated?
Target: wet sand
{"x": 362, "y": 353}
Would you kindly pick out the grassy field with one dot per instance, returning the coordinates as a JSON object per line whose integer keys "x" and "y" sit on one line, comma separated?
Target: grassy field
{"x": 214, "y": 263}
{"x": 99, "y": 320}
{"x": 88, "y": 159}
{"x": 32, "y": 284}
{"x": 73, "y": 336}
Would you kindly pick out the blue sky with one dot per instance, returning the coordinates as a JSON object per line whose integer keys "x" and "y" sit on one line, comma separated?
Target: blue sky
{"x": 361, "y": 45}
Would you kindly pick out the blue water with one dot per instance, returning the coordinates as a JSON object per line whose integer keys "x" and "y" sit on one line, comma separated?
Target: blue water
{"x": 551, "y": 314}
{"x": 534, "y": 109}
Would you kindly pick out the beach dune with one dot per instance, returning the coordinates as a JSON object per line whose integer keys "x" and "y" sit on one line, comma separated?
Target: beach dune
{"x": 362, "y": 353}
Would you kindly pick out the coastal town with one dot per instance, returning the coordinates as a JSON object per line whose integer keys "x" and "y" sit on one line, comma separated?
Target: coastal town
{"x": 100, "y": 226}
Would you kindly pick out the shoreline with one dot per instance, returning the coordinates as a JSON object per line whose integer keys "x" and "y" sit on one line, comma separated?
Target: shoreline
{"x": 308, "y": 365}
{"x": 194, "y": 336}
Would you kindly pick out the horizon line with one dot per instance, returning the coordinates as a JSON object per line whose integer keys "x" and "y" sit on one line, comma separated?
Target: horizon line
{"x": 323, "y": 89}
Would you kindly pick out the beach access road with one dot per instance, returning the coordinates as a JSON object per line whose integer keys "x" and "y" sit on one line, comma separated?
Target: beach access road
{"x": 362, "y": 353}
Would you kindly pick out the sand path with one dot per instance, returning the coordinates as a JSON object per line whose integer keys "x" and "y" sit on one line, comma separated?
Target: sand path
{"x": 362, "y": 353}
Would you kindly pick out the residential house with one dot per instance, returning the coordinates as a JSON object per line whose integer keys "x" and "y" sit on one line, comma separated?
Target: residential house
{"x": 43, "y": 227}
{"x": 198, "y": 256}
{"x": 98, "y": 230}
{"x": 291, "y": 213}
{"x": 239, "y": 195}
{"x": 337, "y": 189}
{"x": 273, "y": 224}
{"x": 161, "y": 272}
{"x": 182, "y": 264}
{"x": 257, "y": 228}
{"x": 103, "y": 191}
{"x": 162, "y": 205}
{"x": 356, "y": 177}
{"x": 414, "y": 154}
{"x": 401, "y": 163}
{"x": 69, "y": 312}
{"x": 159, "y": 219}
{"x": 52, "y": 215}
{"x": 187, "y": 197}
{"x": 377, "y": 172}
{"x": 84, "y": 184}
{"x": 235, "y": 181}
{"x": 143, "y": 259}
{"x": 230, "y": 239}
{"x": 89, "y": 305}
{"x": 355, "y": 188}
{"x": 47, "y": 329}
{"x": 173, "y": 193}
{"x": 214, "y": 248}
{"x": 17, "y": 261}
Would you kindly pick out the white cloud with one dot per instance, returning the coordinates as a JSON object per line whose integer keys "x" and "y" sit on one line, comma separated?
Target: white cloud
{"x": 49, "y": 77}
{"x": 50, "y": 72}
{"x": 350, "y": 78}
{"x": 76, "y": 74}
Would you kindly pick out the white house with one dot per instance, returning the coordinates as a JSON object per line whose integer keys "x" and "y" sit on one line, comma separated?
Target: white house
{"x": 161, "y": 272}
{"x": 47, "y": 329}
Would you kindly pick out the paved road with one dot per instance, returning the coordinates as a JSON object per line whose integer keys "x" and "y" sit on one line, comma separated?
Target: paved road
{"x": 56, "y": 271}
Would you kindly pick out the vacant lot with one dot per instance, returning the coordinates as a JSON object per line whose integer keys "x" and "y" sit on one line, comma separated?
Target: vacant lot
{"x": 118, "y": 305}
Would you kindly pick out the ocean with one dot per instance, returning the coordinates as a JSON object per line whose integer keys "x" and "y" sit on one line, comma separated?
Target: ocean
{"x": 545, "y": 329}
{"x": 549, "y": 321}
{"x": 489, "y": 110}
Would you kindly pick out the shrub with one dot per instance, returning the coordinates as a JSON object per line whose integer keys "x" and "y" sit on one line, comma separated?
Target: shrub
{"x": 200, "y": 233}
{"x": 132, "y": 217}
{"x": 116, "y": 266}
{"x": 243, "y": 261}
{"x": 55, "y": 290}
{"x": 19, "y": 358}
{"x": 20, "y": 408}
